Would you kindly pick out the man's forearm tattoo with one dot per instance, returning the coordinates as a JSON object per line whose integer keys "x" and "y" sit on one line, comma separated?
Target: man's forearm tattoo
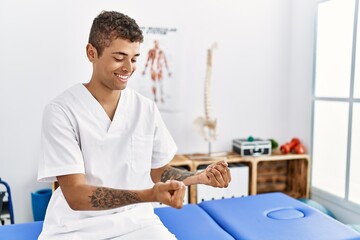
{"x": 105, "y": 198}
{"x": 175, "y": 174}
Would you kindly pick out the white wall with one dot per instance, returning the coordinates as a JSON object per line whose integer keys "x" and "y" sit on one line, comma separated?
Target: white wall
{"x": 250, "y": 71}
{"x": 301, "y": 75}
{"x": 261, "y": 71}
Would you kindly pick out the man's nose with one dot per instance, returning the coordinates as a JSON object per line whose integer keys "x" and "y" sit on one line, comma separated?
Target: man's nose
{"x": 127, "y": 66}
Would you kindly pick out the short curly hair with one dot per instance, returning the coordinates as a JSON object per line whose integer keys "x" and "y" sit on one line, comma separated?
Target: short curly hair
{"x": 111, "y": 25}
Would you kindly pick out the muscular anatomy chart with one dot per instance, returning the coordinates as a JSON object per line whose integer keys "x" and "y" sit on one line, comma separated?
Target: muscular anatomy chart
{"x": 157, "y": 63}
{"x": 158, "y": 76}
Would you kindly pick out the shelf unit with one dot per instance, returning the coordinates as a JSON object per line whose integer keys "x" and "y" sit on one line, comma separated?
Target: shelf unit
{"x": 287, "y": 173}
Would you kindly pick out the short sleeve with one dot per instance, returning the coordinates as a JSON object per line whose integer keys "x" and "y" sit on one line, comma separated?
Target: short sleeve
{"x": 164, "y": 146}
{"x": 60, "y": 152}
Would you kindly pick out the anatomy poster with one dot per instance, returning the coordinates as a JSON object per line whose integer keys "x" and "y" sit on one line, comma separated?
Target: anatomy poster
{"x": 157, "y": 74}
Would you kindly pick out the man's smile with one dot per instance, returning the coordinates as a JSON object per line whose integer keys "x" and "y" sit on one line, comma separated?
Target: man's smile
{"x": 123, "y": 78}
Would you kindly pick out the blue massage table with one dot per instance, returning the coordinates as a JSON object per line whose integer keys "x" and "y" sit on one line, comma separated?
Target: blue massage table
{"x": 271, "y": 216}
{"x": 275, "y": 216}
{"x": 191, "y": 222}
{"x": 21, "y": 231}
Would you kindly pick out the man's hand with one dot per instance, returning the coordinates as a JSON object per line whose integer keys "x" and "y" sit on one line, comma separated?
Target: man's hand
{"x": 216, "y": 175}
{"x": 171, "y": 193}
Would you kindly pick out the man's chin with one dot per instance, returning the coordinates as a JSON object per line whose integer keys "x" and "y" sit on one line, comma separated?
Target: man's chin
{"x": 121, "y": 87}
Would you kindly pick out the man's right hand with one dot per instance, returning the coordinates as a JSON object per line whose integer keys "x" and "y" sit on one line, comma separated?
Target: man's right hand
{"x": 171, "y": 193}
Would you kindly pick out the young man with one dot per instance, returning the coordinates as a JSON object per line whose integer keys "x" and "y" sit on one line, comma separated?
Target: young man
{"x": 104, "y": 143}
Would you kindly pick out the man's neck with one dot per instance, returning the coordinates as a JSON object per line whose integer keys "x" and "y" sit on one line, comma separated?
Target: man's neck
{"x": 107, "y": 98}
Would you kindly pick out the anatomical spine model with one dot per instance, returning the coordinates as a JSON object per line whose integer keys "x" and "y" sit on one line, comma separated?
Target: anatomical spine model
{"x": 206, "y": 126}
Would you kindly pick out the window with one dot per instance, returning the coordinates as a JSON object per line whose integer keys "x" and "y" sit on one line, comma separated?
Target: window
{"x": 354, "y": 183}
{"x": 336, "y": 103}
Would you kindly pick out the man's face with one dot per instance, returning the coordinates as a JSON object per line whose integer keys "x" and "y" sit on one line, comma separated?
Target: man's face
{"x": 116, "y": 64}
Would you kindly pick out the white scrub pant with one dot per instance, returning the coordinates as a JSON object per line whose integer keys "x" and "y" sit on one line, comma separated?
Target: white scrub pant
{"x": 155, "y": 232}
{"x": 136, "y": 222}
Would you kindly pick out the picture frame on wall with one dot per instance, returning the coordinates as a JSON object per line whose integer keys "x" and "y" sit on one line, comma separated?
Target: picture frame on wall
{"x": 158, "y": 67}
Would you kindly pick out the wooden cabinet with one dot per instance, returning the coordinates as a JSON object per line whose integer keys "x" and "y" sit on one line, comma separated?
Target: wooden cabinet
{"x": 275, "y": 173}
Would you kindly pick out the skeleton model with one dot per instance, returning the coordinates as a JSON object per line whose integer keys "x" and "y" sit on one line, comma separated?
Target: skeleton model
{"x": 206, "y": 126}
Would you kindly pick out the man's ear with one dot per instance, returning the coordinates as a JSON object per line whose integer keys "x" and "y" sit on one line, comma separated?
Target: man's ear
{"x": 91, "y": 52}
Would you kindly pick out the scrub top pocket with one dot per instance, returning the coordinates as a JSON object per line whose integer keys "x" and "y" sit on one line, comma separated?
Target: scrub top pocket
{"x": 141, "y": 148}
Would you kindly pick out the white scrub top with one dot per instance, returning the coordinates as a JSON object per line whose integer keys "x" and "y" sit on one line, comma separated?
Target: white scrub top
{"x": 78, "y": 137}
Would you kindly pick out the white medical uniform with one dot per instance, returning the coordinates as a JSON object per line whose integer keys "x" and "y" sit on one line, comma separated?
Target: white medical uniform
{"x": 79, "y": 137}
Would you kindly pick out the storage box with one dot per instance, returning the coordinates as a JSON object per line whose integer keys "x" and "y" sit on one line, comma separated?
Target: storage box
{"x": 256, "y": 147}
{"x": 238, "y": 187}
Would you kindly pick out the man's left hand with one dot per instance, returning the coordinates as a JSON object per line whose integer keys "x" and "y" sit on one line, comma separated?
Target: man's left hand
{"x": 216, "y": 175}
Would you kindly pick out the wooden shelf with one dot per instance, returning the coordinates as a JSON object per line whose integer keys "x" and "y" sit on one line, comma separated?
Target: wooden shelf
{"x": 275, "y": 173}
{"x": 287, "y": 173}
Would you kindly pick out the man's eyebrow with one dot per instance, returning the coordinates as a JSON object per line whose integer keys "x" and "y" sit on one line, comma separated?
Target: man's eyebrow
{"x": 125, "y": 54}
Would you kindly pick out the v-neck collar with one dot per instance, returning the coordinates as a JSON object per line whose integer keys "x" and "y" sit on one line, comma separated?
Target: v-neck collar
{"x": 100, "y": 114}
